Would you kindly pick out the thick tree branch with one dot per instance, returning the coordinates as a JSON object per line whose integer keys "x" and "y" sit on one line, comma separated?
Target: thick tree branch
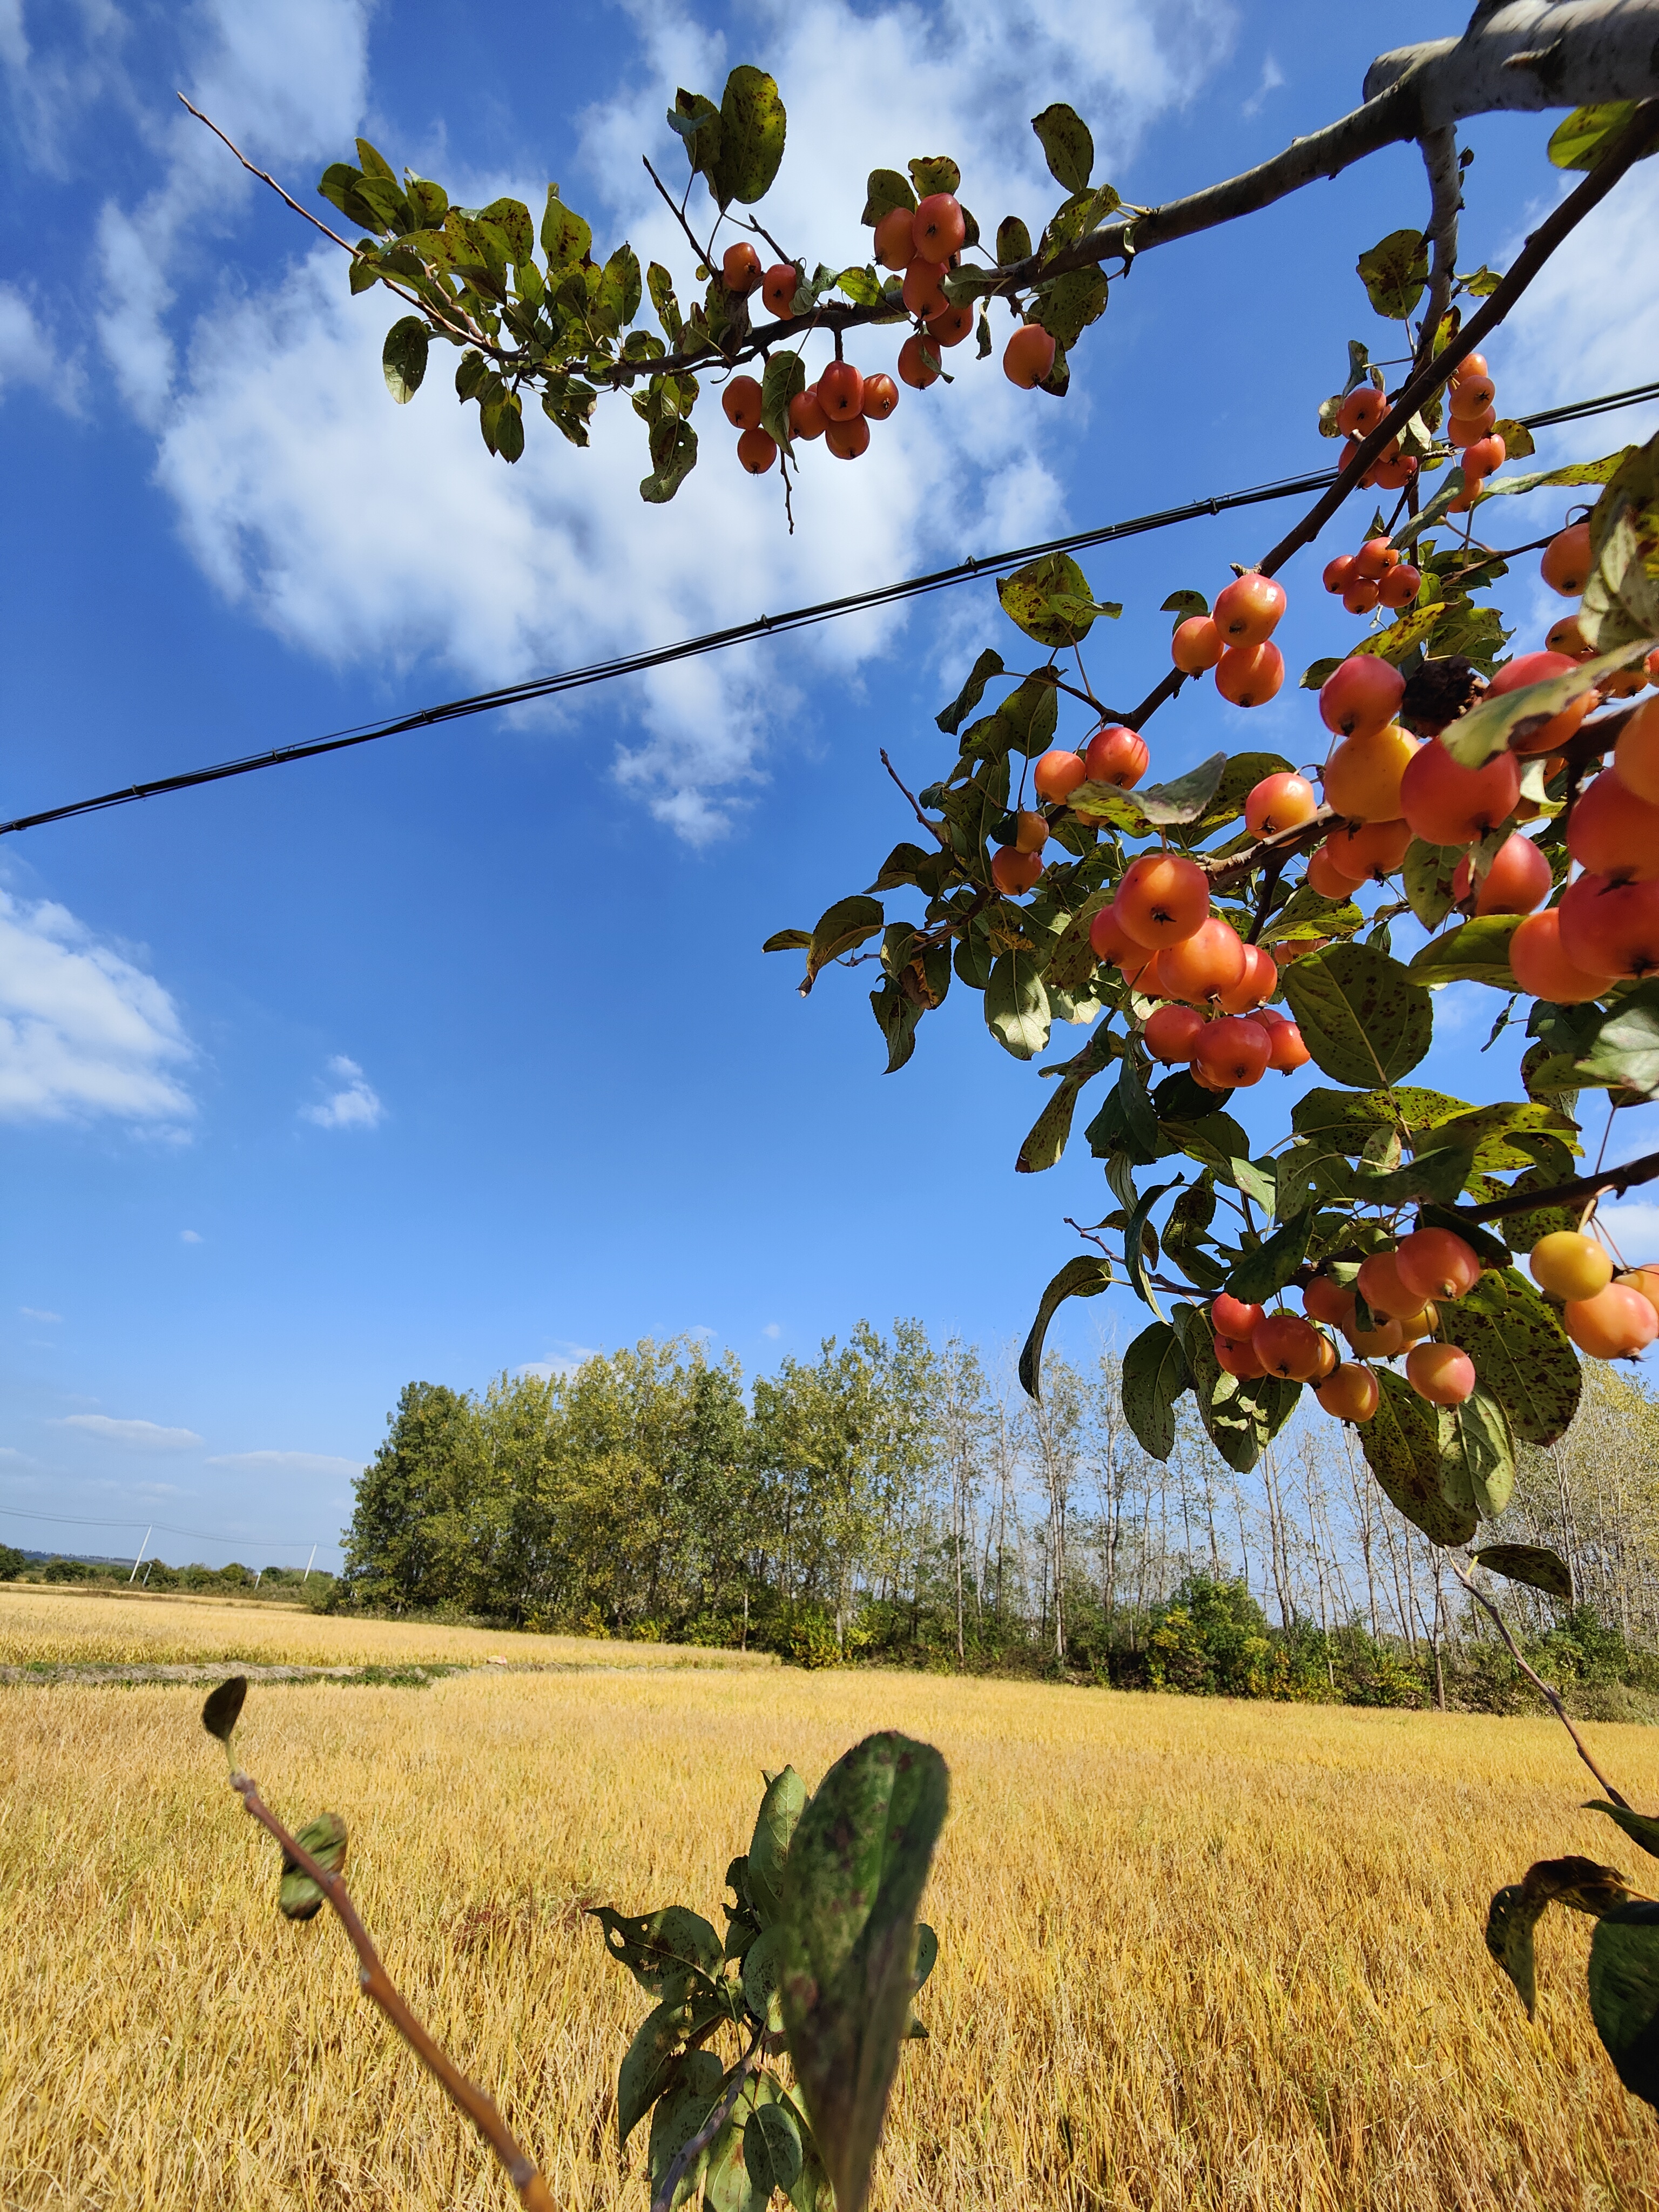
{"x": 1637, "y": 138}
{"x": 376, "y": 1984}
{"x": 1616, "y": 1180}
{"x": 1445, "y": 203}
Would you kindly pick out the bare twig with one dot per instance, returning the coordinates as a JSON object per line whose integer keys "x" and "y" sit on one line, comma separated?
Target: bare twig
{"x": 1551, "y": 1698}
{"x": 915, "y": 808}
{"x": 695, "y": 2146}
{"x": 467, "y": 334}
{"x": 1631, "y": 144}
{"x": 376, "y": 1984}
{"x": 705, "y": 253}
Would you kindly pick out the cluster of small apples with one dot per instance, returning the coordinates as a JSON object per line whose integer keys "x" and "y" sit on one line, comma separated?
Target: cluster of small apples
{"x": 1608, "y": 1316}
{"x": 1159, "y": 932}
{"x": 1233, "y": 639}
{"x": 1403, "y": 1288}
{"x": 925, "y": 245}
{"x": 1115, "y": 754}
{"x": 1471, "y": 413}
{"x": 1375, "y": 576}
{"x": 839, "y": 409}
{"x": 1360, "y": 413}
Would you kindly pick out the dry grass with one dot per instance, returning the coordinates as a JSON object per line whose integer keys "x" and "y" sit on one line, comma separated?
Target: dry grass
{"x": 42, "y": 1626}
{"x": 1193, "y": 1956}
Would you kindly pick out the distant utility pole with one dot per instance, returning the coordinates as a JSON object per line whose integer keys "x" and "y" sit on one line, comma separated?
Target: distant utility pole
{"x": 310, "y": 1563}
{"x": 148, "y": 1533}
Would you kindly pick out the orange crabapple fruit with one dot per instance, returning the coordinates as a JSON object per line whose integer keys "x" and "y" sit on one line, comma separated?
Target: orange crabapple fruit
{"x": 1570, "y": 1265}
{"x": 1247, "y": 610}
{"x": 1566, "y": 566}
{"x": 806, "y": 418}
{"x": 880, "y": 395}
{"x": 1381, "y": 1288}
{"x": 1057, "y": 775}
{"x": 1611, "y": 926}
{"x": 1327, "y": 1300}
{"x": 938, "y": 227}
{"x": 1360, "y": 696}
{"x": 1233, "y": 1052}
{"x": 1437, "y": 1263}
{"x": 1249, "y": 675}
{"x": 1534, "y": 668}
{"x": 924, "y": 290}
{"x": 1400, "y": 586}
{"x": 1211, "y": 960}
{"x": 1287, "y": 1346}
{"x": 1361, "y": 410}
{"x": 1611, "y": 831}
{"x": 1170, "y": 1033}
{"x": 1615, "y": 1323}
{"x": 779, "y": 287}
{"x": 952, "y": 326}
{"x": 1013, "y": 872}
{"x": 1365, "y": 775}
{"x": 1447, "y": 804}
{"x": 895, "y": 246}
{"x": 1326, "y": 877}
{"x": 1351, "y": 1394}
{"x": 1542, "y": 967}
{"x": 757, "y": 449}
{"x": 1440, "y": 1373}
{"x": 1518, "y": 882}
{"x": 1236, "y": 1319}
{"x": 1283, "y": 801}
{"x": 740, "y": 402}
{"x": 1196, "y": 645}
{"x": 1028, "y": 355}
{"x": 1238, "y": 1359}
{"x": 1161, "y": 898}
{"x": 1374, "y": 560}
{"x": 919, "y": 362}
{"x": 1117, "y": 756}
{"x": 1636, "y": 752}
{"x": 1339, "y": 573}
{"x": 1030, "y": 831}
{"x": 847, "y": 441}
{"x": 840, "y": 392}
{"x": 1286, "y": 1051}
{"x": 740, "y": 269}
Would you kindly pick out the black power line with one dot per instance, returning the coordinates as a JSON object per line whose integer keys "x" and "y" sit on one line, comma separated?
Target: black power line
{"x": 635, "y": 663}
{"x": 163, "y": 1528}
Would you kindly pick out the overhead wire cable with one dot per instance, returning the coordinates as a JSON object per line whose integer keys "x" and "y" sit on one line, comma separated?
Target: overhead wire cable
{"x": 635, "y": 663}
{"x": 163, "y": 1528}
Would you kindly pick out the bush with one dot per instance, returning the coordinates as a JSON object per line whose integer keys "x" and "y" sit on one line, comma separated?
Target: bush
{"x": 63, "y": 1571}
{"x": 12, "y": 1564}
{"x": 1211, "y": 1639}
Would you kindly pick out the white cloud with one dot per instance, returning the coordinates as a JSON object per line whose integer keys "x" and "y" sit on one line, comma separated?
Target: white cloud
{"x": 189, "y": 1236}
{"x": 355, "y": 1105}
{"x": 563, "y": 1364}
{"x": 28, "y": 354}
{"x": 360, "y": 531}
{"x": 82, "y": 1030}
{"x": 289, "y": 1463}
{"x": 138, "y": 1435}
{"x": 772, "y": 1329}
{"x": 1272, "y": 80}
{"x": 38, "y": 1313}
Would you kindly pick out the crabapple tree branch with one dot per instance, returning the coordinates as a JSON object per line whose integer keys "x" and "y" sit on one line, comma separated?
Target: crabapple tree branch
{"x": 376, "y": 1984}
{"x": 1616, "y": 1180}
{"x": 1446, "y": 201}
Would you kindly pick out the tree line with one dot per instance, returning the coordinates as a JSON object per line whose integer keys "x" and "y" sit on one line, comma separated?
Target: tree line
{"x": 897, "y": 1499}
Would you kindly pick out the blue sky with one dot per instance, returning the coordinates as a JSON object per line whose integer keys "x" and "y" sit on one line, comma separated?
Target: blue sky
{"x": 458, "y": 1052}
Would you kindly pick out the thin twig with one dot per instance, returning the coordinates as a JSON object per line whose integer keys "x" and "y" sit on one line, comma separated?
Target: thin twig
{"x": 1551, "y": 1698}
{"x": 694, "y": 2147}
{"x": 915, "y": 807}
{"x": 1616, "y": 1180}
{"x": 376, "y": 1984}
{"x": 1271, "y": 871}
{"x": 468, "y": 334}
{"x": 705, "y": 253}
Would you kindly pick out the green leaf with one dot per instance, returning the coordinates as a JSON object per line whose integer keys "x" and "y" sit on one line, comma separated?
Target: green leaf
{"x": 1439, "y": 1174}
{"x": 1138, "y": 1119}
{"x": 787, "y": 941}
{"x": 1066, "y": 145}
{"x": 950, "y": 719}
{"x": 1086, "y": 1277}
{"x": 1625, "y": 1049}
{"x": 771, "y": 2150}
{"x": 1531, "y": 1564}
{"x": 1487, "y": 729}
{"x": 1363, "y": 1018}
{"x": 1016, "y": 1010}
{"x": 1475, "y": 951}
{"x": 1624, "y": 1994}
{"x": 1476, "y": 1453}
{"x": 752, "y": 129}
{"x": 786, "y": 375}
{"x": 1402, "y": 1445}
{"x": 762, "y": 1979}
{"x": 566, "y": 239}
{"x": 1238, "y": 1417}
{"x": 1271, "y": 1265}
{"x": 618, "y": 300}
{"x": 1520, "y": 1352}
{"x": 1187, "y": 798}
{"x": 1393, "y": 272}
{"x": 222, "y": 1708}
{"x": 648, "y": 2067}
{"x": 886, "y": 190}
{"x": 1427, "y": 880}
{"x": 658, "y": 1946}
{"x": 698, "y": 2086}
{"x": 768, "y": 1847}
{"x": 1050, "y": 599}
{"x": 1154, "y": 1376}
{"x": 1511, "y": 1919}
{"x": 298, "y": 1897}
{"x": 857, "y": 1869}
{"x": 1403, "y": 636}
{"x": 1640, "y": 1827}
{"x": 1347, "y": 1121}
{"x": 840, "y": 928}
{"x": 934, "y": 173}
{"x": 1580, "y": 141}
{"x": 1046, "y": 1139}
{"x": 403, "y": 358}
{"x": 1067, "y": 305}
{"x": 1305, "y": 914}
{"x": 672, "y": 466}
{"x": 1013, "y": 242}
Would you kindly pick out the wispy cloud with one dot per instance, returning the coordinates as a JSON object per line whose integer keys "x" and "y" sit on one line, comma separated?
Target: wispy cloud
{"x": 355, "y": 1105}
{"x": 29, "y": 353}
{"x": 289, "y": 1462}
{"x": 189, "y": 1236}
{"x": 38, "y": 1313}
{"x": 83, "y": 1031}
{"x": 136, "y": 1436}
{"x": 563, "y": 1362}
{"x": 1273, "y": 78}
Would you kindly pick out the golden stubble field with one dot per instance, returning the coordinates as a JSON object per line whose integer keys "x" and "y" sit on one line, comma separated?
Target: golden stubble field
{"x": 1193, "y": 1954}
